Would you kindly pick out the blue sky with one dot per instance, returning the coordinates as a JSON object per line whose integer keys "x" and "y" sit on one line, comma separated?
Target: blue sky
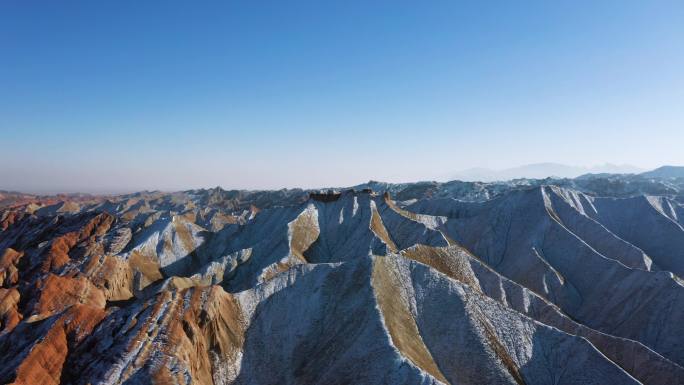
{"x": 128, "y": 95}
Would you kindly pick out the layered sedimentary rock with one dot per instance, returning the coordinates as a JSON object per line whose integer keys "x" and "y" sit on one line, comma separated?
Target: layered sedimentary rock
{"x": 539, "y": 285}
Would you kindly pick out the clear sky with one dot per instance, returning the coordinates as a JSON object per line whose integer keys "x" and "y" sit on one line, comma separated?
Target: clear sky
{"x": 127, "y": 95}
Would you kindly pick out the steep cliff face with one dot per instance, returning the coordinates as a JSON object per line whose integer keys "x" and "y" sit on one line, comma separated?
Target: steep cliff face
{"x": 538, "y": 286}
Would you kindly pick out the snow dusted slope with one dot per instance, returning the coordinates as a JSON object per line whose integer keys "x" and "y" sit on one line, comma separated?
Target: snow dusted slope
{"x": 538, "y": 286}
{"x": 524, "y": 238}
{"x": 651, "y": 223}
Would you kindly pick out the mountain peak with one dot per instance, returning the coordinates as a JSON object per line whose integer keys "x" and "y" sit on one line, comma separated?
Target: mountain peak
{"x": 665, "y": 172}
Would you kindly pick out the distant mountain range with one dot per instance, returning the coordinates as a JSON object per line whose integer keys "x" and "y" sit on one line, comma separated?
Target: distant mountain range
{"x": 540, "y": 171}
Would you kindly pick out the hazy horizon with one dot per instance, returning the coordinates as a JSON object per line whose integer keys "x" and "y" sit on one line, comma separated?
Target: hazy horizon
{"x": 530, "y": 171}
{"x": 120, "y": 97}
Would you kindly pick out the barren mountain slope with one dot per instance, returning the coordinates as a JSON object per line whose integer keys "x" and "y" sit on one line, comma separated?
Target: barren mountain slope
{"x": 537, "y": 286}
